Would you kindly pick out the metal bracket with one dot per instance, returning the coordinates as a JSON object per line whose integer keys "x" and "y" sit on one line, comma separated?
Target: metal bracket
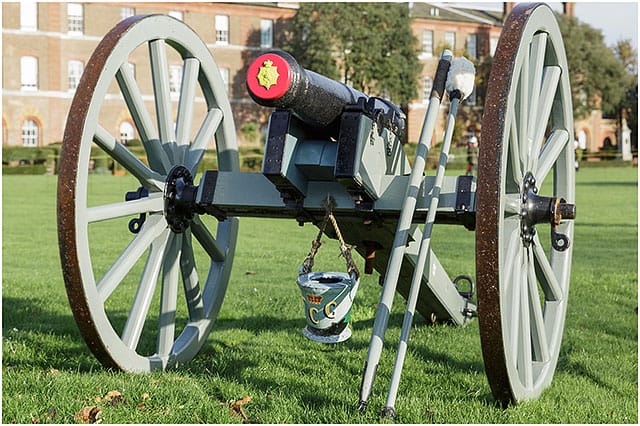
{"x": 463, "y": 202}
{"x": 136, "y": 224}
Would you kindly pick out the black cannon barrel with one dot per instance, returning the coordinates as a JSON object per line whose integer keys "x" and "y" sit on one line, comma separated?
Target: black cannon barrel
{"x": 276, "y": 79}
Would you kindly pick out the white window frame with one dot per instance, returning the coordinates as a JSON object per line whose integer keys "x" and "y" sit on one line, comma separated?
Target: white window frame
{"x": 427, "y": 44}
{"x": 493, "y": 44}
{"x": 29, "y": 73}
{"x": 127, "y": 12}
{"x": 75, "y": 69}
{"x": 472, "y": 46}
{"x": 175, "y": 79}
{"x": 222, "y": 29}
{"x": 30, "y": 133}
{"x": 224, "y": 74}
{"x": 427, "y": 86}
{"x": 177, "y": 14}
{"x": 266, "y": 33}
{"x": 29, "y": 16}
{"x": 450, "y": 39}
{"x": 75, "y": 19}
{"x": 127, "y": 132}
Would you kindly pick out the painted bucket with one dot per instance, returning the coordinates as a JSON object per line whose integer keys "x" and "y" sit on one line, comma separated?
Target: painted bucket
{"x": 328, "y": 297}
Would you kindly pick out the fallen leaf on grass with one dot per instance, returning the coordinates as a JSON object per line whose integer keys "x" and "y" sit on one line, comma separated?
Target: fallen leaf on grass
{"x": 115, "y": 398}
{"x": 145, "y": 396}
{"x": 89, "y": 414}
{"x": 236, "y": 408}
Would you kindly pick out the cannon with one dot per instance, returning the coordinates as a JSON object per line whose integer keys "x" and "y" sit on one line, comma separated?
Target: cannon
{"x": 331, "y": 152}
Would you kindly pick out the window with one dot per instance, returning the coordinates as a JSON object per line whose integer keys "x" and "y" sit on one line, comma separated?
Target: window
{"x": 471, "y": 46}
{"x": 28, "y": 16}
{"x": 427, "y": 44}
{"x": 29, "y": 73}
{"x": 29, "y": 133}
{"x": 224, "y": 73}
{"x": 176, "y": 14}
{"x": 222, "y": 29}
{"x": 493, "y": 44}
{"x": 434, "y": 11}
{"x": 126, "y": 132}
{"x": 175, "y": 78}
{"x": 427, "y": 85}
{"x": 266, "y": 33}
{"x": 75, "y": 18}
{"x": 75, "y": 72}
{"x": 450, "y": 39}
{"x": 127, "y": 12}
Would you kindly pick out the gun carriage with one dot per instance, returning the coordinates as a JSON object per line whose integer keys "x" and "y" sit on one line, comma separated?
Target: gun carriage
{"x": 333, "y": 154}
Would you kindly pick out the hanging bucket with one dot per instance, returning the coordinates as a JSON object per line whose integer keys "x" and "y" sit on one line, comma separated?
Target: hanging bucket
{"x": 328, "y": 296}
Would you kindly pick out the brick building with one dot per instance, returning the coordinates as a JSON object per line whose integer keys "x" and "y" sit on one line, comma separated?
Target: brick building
{"x": 46, "y": 46}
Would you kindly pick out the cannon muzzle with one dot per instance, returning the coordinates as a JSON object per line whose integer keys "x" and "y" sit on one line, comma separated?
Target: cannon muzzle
{"x": 276, "y": 79}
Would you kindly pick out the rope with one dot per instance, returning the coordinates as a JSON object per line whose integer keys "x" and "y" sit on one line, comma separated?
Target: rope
{"x": 345, "y": 250}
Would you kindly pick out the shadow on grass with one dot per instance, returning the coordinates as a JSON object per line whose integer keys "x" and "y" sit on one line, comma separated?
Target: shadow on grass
{"x": 53, "y": 337}
{"x": 52, "y": 340}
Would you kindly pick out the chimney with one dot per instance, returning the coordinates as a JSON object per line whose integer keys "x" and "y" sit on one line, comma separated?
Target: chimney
{"x": 569, "y": 8}
{"x": 507, "y": 8}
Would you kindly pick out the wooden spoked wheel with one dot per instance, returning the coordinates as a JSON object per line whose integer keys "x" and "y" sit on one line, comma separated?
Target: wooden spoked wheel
{"x": 129, "y": 305}
{"x": 526, "y": 162}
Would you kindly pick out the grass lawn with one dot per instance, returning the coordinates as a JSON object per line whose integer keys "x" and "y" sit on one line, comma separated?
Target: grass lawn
{"x": 257, "y": 349}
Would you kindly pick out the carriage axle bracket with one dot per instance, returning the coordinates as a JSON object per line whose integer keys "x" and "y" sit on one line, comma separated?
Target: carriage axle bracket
{"x": 538, "y": 209}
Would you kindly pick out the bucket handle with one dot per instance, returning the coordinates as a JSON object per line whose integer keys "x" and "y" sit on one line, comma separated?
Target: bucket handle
{"x": 345, "y": 250}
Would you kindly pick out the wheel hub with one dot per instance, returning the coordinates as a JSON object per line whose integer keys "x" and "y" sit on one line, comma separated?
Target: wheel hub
{"x": 179, "y": 199}
{"x": 536, "y": 209}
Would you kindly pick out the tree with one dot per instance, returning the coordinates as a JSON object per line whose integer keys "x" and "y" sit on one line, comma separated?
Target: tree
{"x": 597, "y": 76}
{"x": 367, "y": 45}
{"x": 628, "y": 56}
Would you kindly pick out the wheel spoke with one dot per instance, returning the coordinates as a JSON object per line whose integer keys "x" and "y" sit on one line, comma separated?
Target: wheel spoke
{"x": 202, "y": 139}
{"x": 154, "y": 203}
{"x": 186, "y": 104}
{"x": 537, "y": 52}
{"x": 512, "y": 204}
{"x": 148, "y": 178}
{"x": 158, "y": 159}
{"x": 550, "y": 82}
{"x": 207, "y": 241}
{"x": 190, "y": 280}
{"x": 548, "y": 280}
{"x": 525, "y": 361}
{"x": 144, "y": 294}
{"x": 514, "y": 154}
{"x": 538, "y": 332}
{"x": 169, "y": 295}
{"x": 520, "y": 152}
{"x": 556, "y": 142}
{"x": 135, "y": 103}
{"x": 150, "y": 230}
{"x": 160, "y": 77}
{"x": 516, "y": 286}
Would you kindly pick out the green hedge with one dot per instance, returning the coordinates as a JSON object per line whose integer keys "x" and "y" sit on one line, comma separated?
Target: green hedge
{"x": 38, "y": 169}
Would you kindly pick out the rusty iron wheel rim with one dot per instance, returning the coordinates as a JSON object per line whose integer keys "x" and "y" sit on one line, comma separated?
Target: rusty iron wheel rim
{"x": 512, "y": 374}
{"x": 75, "y": 215}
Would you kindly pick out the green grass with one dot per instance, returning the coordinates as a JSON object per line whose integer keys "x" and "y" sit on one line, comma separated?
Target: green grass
{"x": 257, "y": 350}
